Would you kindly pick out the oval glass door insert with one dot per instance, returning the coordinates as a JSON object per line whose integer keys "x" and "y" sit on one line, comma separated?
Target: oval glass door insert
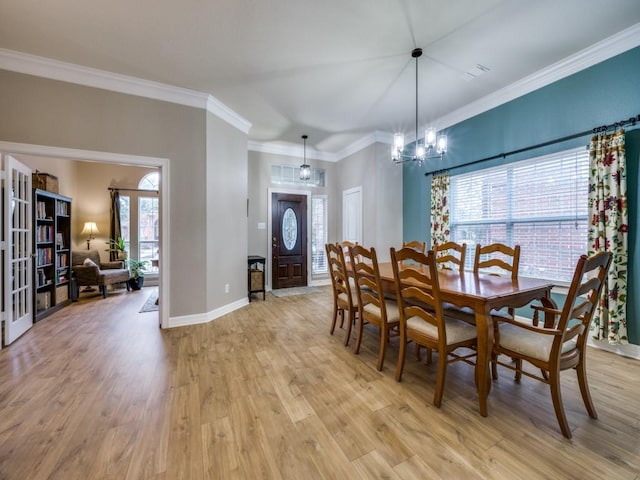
{"x": 289, "y": 229}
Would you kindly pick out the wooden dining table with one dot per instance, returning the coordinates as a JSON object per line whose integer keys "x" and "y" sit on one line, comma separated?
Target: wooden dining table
{"x": 482, "y": 293}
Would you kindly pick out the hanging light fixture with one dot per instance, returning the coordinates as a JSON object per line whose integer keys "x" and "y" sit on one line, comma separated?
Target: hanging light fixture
{"x": 432, "y": 145}
{"x": 305, "y": 168}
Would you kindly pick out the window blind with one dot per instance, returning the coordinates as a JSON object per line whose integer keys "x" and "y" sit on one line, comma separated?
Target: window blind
{"x": 540, "y": 204}
{"x": 318, "y": 234}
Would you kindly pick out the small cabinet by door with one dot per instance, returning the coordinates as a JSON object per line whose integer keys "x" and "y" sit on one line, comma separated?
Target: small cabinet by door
{"x": 256, "y": 275}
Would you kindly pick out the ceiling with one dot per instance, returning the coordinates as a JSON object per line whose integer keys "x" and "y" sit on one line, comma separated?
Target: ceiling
{"x": 336, "y": 70}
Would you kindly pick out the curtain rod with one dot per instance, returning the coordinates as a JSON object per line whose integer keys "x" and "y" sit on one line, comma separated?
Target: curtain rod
{"x": 131, "y": 189}
{"x": 603, "y": 128}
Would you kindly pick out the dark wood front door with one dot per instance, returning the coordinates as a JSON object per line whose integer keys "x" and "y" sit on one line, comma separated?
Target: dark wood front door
{"x": 289, "y": 241}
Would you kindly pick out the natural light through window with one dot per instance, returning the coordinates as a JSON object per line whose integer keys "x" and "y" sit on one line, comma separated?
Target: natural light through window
{"x": 540, "y": 204}
{"x": 318, "y": 234}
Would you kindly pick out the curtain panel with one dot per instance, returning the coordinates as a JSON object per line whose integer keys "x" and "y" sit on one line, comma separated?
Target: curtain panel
{"x": 114, "y": 223}
{"x": 440, "y": 232}
{"x": 608, "y": 231}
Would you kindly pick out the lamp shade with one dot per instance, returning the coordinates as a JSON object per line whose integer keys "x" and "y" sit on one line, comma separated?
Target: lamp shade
{"x": 89, "y": 228}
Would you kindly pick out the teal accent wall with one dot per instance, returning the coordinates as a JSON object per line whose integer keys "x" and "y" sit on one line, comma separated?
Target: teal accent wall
{"x": 603, "y": 94}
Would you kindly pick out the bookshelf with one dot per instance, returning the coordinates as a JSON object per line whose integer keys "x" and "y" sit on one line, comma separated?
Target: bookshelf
{"x": 52, "y": 247}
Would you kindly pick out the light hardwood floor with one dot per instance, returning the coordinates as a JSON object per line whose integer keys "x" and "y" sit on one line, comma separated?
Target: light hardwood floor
{"x": 98, "y": 391}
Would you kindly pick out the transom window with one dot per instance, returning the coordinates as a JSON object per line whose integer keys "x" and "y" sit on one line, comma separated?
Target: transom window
{"x": 290, "y": 175}
{"x": 540, "y": 204}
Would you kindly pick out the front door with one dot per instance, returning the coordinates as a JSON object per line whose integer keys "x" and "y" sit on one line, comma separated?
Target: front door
{"x": 17, "y": 248}
{"x": 289, "y": 240}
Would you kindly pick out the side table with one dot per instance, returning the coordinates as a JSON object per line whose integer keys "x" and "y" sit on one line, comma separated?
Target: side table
{"x": 256, "y": 275}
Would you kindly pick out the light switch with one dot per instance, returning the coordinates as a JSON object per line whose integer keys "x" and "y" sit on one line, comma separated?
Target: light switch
{"x": 262, "y": 226}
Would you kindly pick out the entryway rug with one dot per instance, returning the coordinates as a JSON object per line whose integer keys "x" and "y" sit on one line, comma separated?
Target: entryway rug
{"x": 287, "y": 292}
{"x": 150, "y": 305}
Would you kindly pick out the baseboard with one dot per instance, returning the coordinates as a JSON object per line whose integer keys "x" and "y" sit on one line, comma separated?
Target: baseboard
{"x": 320, "y": 283}
{"x": 198, "y": 318}
{"x": 628, "y": 350}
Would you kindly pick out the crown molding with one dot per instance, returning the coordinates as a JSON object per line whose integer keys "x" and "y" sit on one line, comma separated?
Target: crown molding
{"x": 596, "y": 53}
{"x": 364, "y": 142}
{"x": 115, "y": 82}
{"x": 290, "y": 151}
{"x": 220, "y": 110}
{"x": 296, "y": 151}
{"x": 68, "y": 72}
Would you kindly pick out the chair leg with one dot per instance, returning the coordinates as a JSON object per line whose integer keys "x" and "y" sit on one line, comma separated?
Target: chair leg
{"x": 418, "y": 355}
{"x": 518, "y": 369}
{"x": 352, "y": 319}
{"x": 401, "y": 354}
{"x": 429, "y": 360}
{"x": 384, "y": 337}
{"x": 442, "y": 374}
{"x": 103, "y": 289}
{"x": 581, "y": 371}
{"x": 360, "y": 331}
{"x": 494, "y": 366}
{"x": 335, "y": 318}
{"x": 556, "y": 397}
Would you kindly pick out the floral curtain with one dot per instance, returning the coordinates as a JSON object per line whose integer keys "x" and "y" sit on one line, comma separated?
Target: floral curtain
{"x": 608, "y": 231}
{"x": 440, "y": 209}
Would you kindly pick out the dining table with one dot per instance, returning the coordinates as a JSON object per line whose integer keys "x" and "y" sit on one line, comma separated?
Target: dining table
{"x": 482, "y": 293}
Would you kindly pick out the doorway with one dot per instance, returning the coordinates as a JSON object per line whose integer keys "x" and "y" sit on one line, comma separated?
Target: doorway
{"x": 352, "y": 215}
{"x": 289, "y": 240}
{"x": 162, "y": 164}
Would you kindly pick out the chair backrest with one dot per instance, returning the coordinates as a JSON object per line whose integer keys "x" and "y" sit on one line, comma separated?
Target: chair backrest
{"x": 338, "y": 273}
{"x": 345, "y": 246}
{"x": 450, "y": 253}
{"x": 364, "y": 262}
{"x": 500, "y": 256}
{"x": 583, "y": 296}
{"x": 413, "y": 301}
{"x": 416, "y": 245}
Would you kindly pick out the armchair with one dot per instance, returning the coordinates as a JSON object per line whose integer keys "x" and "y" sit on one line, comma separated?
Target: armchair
{"x": 89, "y": 270}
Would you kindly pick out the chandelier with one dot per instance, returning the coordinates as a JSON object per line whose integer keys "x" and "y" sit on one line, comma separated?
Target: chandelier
{"x": 432, "y": 146}
{"x": 305, "y": 168}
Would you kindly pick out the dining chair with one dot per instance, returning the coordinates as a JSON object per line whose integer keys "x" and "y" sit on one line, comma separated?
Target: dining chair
{"x": 373, "y": 307}
{"x": 343, "y": 298}
{"x": 450, "y": 253}
{"x": 416, "y": 245}
{"x": 497, "y": 259}
{"x": 422, "y": 318}
{"x": 560, "y": 342}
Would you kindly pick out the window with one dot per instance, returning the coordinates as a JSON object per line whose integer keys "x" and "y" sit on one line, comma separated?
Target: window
{"x": 540, "y": 204}
{"x": 290, "y": 175}
{"x": 139, "y": 221}
{"x": 318, "y": 234}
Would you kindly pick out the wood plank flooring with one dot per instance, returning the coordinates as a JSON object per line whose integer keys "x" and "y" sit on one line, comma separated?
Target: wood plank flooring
{"x": 98, "y": 391}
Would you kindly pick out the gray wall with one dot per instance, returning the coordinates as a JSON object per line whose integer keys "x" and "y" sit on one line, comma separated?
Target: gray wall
{"x": 53, "y": 113}
{"x": 381, "y": 182}
{"x": 226, "y": 214}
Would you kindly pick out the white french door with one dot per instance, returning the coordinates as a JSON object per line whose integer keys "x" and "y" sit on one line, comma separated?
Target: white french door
{"x": 17, "y": 294}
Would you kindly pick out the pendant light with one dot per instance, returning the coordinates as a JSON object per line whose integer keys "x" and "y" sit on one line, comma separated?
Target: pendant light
{"x": 432, "y": 143}
{"x": 305, "y": 168}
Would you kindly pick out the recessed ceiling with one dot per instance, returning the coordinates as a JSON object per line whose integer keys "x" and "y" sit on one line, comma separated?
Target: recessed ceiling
{"x": 335, "y": 70}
